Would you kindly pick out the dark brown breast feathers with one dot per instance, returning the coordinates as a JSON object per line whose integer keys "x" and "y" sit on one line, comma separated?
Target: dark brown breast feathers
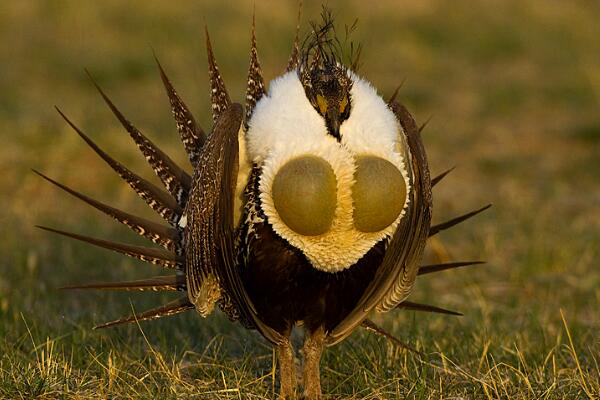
{"x": 283, "y": 285}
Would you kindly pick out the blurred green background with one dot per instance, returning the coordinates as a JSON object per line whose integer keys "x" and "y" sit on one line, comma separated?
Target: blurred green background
{"x": 513, "y": 89}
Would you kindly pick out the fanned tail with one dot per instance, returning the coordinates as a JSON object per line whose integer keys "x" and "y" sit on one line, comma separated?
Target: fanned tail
{"x": 169, "y": 204}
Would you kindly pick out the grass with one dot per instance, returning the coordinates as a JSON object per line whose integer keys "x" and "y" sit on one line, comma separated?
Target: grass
{"x": 513, "y": 88}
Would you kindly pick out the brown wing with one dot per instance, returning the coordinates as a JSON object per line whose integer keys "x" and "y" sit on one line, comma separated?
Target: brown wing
{"x": 210, "y": 252}
{"x": 396, "y": 275}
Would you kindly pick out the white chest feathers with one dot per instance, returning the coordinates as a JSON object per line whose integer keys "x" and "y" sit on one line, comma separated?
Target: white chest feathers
{"x": 332, "y": 200}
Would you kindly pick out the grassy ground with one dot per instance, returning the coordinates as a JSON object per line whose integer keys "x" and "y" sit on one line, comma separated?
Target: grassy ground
{"x": 514, "y": 91}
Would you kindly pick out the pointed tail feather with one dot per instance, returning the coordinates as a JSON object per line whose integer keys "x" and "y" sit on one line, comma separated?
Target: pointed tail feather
{"x": 424, "y": 124}
{"x": 454, "y": 221}
{"x": 159, "y": 200}
{"x": 155, "y": 256}
{"x": 176, "y": 180}
{"x": 294, "y": 59}
{"x": 162, "y": 235}
{"x": 156, "y": 284}
{"x": 409, "y": 305}
{"x": 192, "y": 135}
{"x": 219, "y": 97}
{"x": 373, "y": 327}
{"x": 441, "y": 176}
{"x": 428, "y": 269}
{"x": 255, "y": 88}
{"x": 392, "y": 98}
{"x": 175, "y": 307}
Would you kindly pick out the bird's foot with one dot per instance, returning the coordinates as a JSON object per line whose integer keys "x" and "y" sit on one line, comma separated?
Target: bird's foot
{"x": 313, "y": 347}
{"x": 287, "y": 371}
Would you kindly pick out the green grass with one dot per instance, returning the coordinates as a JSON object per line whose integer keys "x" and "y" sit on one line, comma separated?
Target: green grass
{"x": 514, "y": 91}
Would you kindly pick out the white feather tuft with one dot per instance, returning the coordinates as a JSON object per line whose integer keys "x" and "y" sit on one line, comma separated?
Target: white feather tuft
{"x": 283, "y": 118}
{"x": 182, "y": 221}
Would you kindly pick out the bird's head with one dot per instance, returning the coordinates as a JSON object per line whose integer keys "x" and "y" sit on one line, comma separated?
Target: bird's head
{"x": 327, "y": 87}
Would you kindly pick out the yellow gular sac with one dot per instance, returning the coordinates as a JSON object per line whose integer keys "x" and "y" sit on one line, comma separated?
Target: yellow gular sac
{"x": 304, "y": 194}
{"x": 378, "y": 194}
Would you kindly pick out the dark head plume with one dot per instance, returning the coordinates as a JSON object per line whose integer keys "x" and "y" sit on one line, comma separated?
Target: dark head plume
{"x": 325, "y": 78}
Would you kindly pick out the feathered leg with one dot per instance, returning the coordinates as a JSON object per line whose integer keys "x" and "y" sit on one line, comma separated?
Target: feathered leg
{"x": 313, "y": 348}
{"x": 287, "y": 370}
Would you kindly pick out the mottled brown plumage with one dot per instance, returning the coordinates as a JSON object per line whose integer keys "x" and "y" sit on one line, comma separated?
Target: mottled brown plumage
{"x": 172, "y": 308}
{"x": 159, "y": 200}
{"x": 218, "y": 93}
{"x": 255, "y": 86}
{"x": 294, "y": 59}
{"x": 160, "y": 257}
{"x": 157, "y": 284}
{"x": 164, "y": 236}
{"x": 192, "y": 135}
{"x": 176, "y": 180}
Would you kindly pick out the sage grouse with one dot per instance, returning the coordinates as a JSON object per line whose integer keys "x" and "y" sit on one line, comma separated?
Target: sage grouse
{"x": 309, "y": 206}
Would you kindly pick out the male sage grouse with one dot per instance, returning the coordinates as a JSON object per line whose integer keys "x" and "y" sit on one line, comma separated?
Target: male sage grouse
{"x": 309, "y": 206}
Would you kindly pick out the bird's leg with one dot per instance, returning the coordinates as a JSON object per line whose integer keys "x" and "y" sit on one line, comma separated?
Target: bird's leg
{"x": 287, "y": 371}
{"x": 313, "y": 348}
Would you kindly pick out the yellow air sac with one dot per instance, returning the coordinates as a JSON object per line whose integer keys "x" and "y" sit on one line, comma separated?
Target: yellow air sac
{"x": 378, "y": 194}
{"x": 304, "y": 195}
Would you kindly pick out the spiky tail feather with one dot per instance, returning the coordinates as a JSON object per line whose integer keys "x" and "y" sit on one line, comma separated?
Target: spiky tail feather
{"x": 441, "y": 176}
{"x": 192, "y": 135}
{"x": 152, "y": 255}
{"x": 176, "y": 180}
{"x": 373, "y": 327}
{"x": 294, "y": 60}
{"x": 455, "y": 221}
{"x": 156, "y": 284}
{"x": 159, "y": 200}
{"x": 428, "y": 269}
{"x": 174, "y": 307}
{"x": 162, "y": 235}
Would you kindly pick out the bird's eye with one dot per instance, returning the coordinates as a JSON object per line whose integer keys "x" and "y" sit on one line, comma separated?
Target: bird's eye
{"x": 343, "y": 104}
{"x": 322, "y": 104}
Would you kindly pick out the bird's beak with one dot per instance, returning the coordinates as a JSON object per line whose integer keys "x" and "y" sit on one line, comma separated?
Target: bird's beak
{"x": 333, "y": 122}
